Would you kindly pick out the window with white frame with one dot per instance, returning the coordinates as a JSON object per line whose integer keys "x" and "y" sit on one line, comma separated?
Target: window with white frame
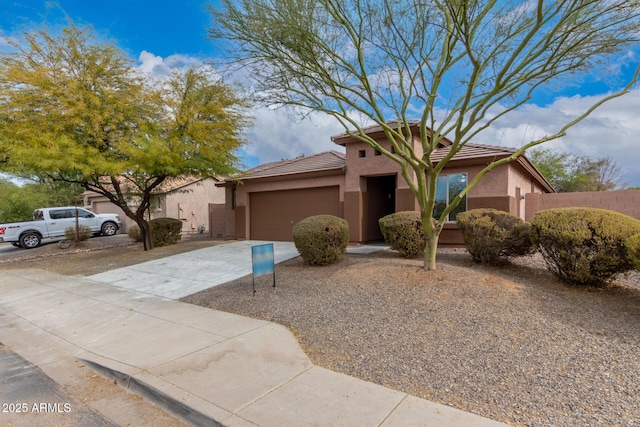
{"x": 447, "y": 188}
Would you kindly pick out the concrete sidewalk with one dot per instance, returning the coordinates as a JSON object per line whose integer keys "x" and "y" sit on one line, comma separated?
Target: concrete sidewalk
{"x": 209, "y": 367}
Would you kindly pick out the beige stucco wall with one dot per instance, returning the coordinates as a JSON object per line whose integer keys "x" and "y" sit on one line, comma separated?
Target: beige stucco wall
{"x": 190, "y": 204}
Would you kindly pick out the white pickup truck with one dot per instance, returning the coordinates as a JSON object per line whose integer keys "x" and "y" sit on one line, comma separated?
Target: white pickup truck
{"x": 51, "y": 223}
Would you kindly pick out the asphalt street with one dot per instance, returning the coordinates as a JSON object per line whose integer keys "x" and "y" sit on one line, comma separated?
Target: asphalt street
{"x": 28, "y": 397}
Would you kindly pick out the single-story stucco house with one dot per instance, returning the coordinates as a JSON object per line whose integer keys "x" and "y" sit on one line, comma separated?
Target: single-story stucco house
{"x": 362, "y": 185}
{"x": 186, "y": 198}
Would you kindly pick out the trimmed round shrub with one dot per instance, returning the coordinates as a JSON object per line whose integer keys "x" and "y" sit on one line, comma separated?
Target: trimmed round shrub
{"x": 492, "y": 236}
{"x": 584, "y": 246}
{"x": 633, "y": 249}
{"x": 403, "y": 232}
{"x": 321, "y": 239}
{"x": 84, "y": 233}
{"x": 165, "y": 231}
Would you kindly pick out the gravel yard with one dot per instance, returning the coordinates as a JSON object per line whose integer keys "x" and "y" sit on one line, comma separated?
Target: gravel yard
{"x": 510, "y": 343}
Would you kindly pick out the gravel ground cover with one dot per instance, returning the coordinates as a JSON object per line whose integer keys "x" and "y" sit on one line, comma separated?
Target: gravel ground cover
{"x": 510, "y": 343}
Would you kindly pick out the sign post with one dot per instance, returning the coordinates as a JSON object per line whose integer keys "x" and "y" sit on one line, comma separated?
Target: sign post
{"x": 263, "y": 262}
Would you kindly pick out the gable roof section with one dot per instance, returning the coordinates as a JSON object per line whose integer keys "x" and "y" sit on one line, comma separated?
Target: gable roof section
{"x": 325, "y": 161}
{"x": 375, "y": 131}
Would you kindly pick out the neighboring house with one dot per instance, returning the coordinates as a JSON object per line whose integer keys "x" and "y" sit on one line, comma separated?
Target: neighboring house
{"x": 363, "y": 185}
{"x": 185, "y": 198}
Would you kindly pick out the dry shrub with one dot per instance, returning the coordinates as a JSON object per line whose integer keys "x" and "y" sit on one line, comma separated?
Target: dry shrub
{"x": 403, "y": 232}
{"x": 492, "y": 236}
{"x": 633, "y": 247}
{"x": 321, "y": 239}
{"x": 584, "y": 246}
{"x": 84, "y": 233}
{"x": 134, "y": 233}
{"x": 165, "y": 231}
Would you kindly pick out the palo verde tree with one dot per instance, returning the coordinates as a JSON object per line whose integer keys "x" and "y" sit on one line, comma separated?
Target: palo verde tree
{"x": 76, "y": 110}
{"x": 456, "y": 65}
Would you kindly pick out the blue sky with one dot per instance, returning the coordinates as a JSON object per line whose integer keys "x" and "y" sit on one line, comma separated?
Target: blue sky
{"x": 155, "y": 33}
{"x": 162, "y": 27}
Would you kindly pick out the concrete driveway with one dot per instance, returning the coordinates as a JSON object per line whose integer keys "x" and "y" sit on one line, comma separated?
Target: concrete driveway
{"x": 180, "y": 275}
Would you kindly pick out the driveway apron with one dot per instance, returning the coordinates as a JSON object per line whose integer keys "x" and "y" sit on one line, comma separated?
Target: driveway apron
{"x": 185, "y": 274}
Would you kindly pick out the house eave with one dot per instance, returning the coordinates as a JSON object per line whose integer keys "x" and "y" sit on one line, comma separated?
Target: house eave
{"x": 284, "y": 176}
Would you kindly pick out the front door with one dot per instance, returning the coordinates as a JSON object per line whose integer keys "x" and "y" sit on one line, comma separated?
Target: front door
{"x": 381, "y": 201}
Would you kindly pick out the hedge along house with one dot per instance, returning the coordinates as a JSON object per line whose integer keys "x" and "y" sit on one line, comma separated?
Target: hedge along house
{"x": 363, "y": 185}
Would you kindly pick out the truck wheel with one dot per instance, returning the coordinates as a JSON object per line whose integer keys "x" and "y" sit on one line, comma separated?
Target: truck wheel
{"x": 30, "y": 240}
{"x": 109, "y": 229}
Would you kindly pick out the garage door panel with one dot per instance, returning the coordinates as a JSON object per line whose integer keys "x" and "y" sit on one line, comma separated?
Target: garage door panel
{"x": 274, "y": 213}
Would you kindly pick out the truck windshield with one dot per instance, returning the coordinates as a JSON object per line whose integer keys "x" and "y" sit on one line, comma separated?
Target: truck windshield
{"x": 38, "y": 215}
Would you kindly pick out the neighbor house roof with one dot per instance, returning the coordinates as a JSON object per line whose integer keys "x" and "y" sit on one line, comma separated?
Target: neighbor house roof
{"x": 325, "y": 161}
{"x": 173, "y": 184}
{"x": 167, "y": 186}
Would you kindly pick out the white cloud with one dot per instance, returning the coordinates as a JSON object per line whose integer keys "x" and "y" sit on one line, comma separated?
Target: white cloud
{"x": 279, "y": 134}
{"x": 158, "y": 67}
{"x": 153, "y": 65}
{"x": 613, "y": 130}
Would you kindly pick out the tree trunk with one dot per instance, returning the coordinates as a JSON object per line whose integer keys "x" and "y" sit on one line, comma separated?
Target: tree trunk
{"x": 145, "y": 233}
{"x": 430, "y": 251}
{"x": 432, "y": 235}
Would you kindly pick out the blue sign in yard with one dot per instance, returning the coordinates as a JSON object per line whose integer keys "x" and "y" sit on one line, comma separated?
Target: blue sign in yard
{"x": 262, "y": 259}
{"x": 263, "y": 262}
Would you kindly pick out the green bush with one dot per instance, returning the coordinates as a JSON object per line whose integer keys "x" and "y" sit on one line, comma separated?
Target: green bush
{"x": 403, "y": 232}
{"x": 633, "y": 248}
{"x": 321, "y": 239}
{"x": 165, "y": 231}
{"x": 584, "y": 246}
{"x": 84, "y": 233}
{"x": 492, "y": 236}
{"x": 134, "y": 233}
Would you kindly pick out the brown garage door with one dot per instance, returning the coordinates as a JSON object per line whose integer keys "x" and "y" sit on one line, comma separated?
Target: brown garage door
{"x": 274, "y": 213}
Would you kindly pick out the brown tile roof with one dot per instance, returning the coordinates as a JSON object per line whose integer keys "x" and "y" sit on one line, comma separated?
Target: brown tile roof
{"x": 371, "y": 130}
{"x": 473, "y": 151}
{"x": 325, "y": 161}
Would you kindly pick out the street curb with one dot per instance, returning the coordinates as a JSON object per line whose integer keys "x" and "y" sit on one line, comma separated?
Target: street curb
{"x": 154, "y": 395}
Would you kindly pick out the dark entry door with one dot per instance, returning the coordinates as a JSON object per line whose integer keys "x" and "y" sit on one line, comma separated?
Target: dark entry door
{"x": 381, "y": 191}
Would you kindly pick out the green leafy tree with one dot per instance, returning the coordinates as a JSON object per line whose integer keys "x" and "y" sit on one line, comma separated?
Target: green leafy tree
{"x": 19, "y": 202}
{"x": 570, "y": 172}
{"x": 456, "y": 65}
{"x": 76, "y": 110}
